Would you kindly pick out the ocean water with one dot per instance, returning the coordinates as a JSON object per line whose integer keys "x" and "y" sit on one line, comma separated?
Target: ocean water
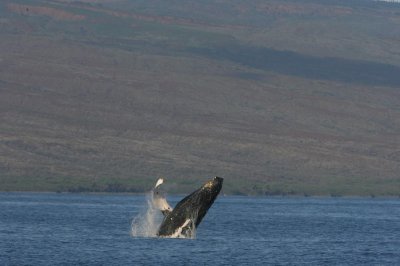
{"x": 87, "y": 229}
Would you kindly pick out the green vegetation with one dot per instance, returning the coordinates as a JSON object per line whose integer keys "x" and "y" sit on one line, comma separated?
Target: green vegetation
{"x": 279, "y": 98}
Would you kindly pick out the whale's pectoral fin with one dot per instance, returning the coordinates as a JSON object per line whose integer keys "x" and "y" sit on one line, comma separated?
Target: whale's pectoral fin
{"x": 159, "y": 200}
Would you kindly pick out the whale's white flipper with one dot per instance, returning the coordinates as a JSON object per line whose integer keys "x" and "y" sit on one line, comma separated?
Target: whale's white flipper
{"x": 184, "y": 231}
{"x": 159, "y": 200}
{"x": 159, "y": 182}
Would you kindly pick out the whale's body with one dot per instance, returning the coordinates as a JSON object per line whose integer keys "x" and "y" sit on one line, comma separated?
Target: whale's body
{"x": 189, "y": 212}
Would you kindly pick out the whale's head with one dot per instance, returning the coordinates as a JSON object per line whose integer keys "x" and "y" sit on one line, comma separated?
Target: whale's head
{"x": 212, "y": 187}
{"x": 204, "y": 197}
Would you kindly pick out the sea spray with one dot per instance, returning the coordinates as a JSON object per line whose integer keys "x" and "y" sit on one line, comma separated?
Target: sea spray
{"x": 146, "y": 223}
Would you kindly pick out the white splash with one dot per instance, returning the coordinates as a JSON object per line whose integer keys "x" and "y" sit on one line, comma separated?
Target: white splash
{"x": 147, "y": 222}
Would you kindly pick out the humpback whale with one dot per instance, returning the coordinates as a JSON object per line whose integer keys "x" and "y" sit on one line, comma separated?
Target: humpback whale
{"x": 182, "y": 220}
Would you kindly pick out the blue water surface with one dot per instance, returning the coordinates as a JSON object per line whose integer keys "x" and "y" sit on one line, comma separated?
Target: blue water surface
{"x": 94, "y": 229}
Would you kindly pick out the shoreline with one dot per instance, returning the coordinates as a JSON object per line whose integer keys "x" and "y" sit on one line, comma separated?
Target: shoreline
{"x": 222, "y": 195}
